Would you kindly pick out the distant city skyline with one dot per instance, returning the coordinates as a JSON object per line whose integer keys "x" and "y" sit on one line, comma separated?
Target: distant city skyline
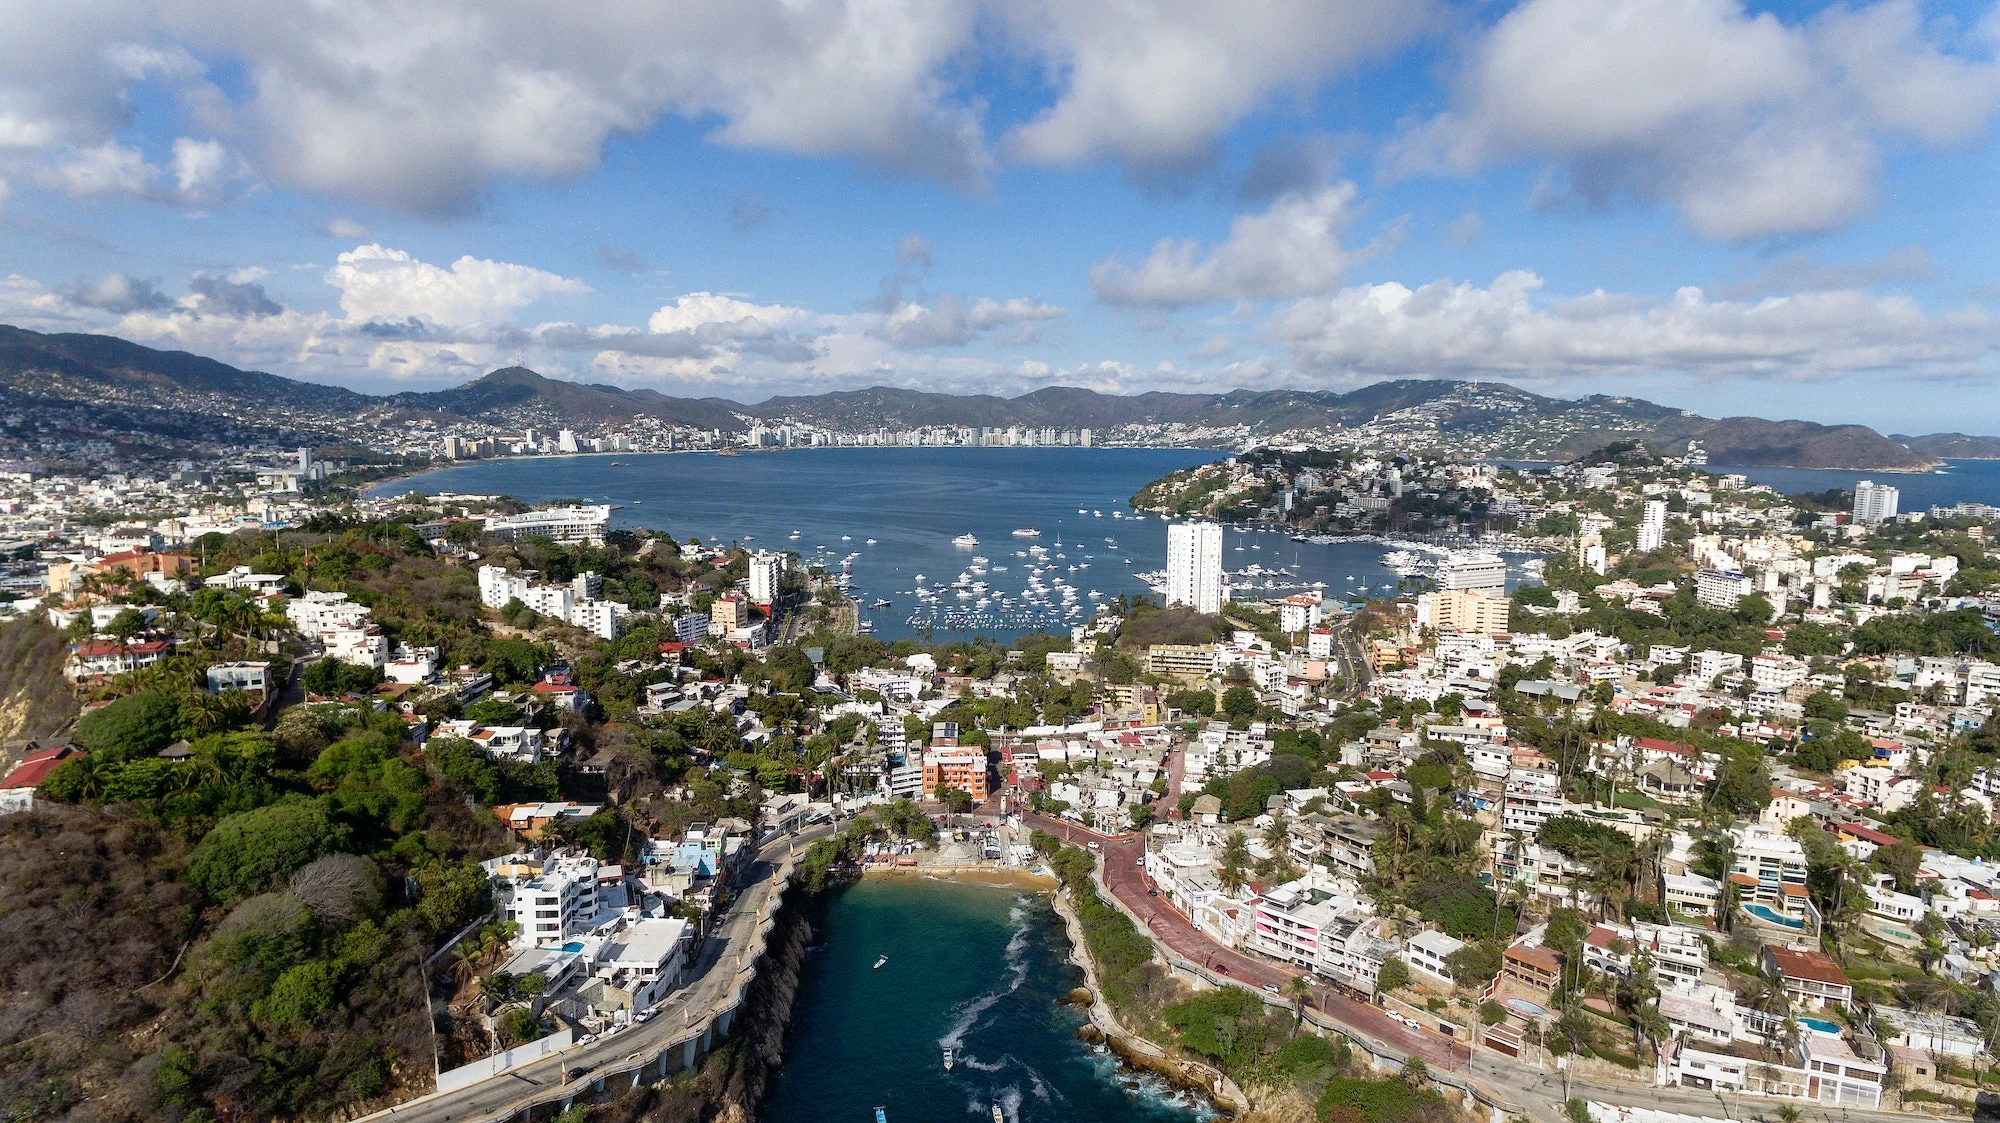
{"x": 1773, "y": 209}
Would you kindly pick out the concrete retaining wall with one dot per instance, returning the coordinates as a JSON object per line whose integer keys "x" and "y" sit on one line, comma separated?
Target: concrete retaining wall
{"x": 500, "y": 1062}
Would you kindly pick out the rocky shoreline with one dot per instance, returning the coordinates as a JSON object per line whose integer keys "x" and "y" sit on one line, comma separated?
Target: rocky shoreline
{"x": 1134, "y": 1051}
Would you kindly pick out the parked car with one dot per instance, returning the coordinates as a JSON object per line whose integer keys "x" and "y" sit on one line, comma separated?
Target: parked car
{"x": 1271, "y": 988}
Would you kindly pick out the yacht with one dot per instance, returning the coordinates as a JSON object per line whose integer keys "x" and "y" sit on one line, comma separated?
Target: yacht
{"x": 965, "y": 541}
{"x": 1027, "y": 532}
{"x": 871, "y": 542}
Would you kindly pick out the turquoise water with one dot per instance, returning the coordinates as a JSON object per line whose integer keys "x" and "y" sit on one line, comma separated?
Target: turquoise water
{"x": 976, "y": 968}
{"x": 913, "y": 502}
{"x": 1820, "y": 1024}
{"x": 1772, "y": 915}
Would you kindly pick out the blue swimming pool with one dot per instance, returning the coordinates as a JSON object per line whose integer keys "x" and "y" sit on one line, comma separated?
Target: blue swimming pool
{"x": 1820, "y": 1025}
{"x": 1770, "y": 915}
{"x": 1527, "y": 1009}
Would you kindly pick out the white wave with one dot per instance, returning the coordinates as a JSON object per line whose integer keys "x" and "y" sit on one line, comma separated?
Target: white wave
{"x": 1015, "y": 956}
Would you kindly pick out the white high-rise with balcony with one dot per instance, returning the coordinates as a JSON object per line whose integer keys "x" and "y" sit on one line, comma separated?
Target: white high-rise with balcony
{"x": 1874, "y": 503}
{"x": 1653, "y": 526}
{"x": 766, "y": 572}
{"x": 1194, "y": 566}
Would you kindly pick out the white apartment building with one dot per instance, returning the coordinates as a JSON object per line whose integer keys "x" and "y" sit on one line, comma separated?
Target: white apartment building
{"x": 239, "y": 676}
{"x": 1428, "y": 954}
{"x": 1874, "y": 503}
{"x": 766, "y": 571}
{"x": 1531, "y": 799}
{"x": 645, "y": 959}
{"x": 1704, "y": 666}
{"x": 598, "y": 617}
{"x": 1472, "y": 571}
{"x": 318, "y": 611}
{"x": 567, "y": 525}
{"x": 1720, "y": 588}
{"x": 1194, "y": 566}
{"x": 1652, "y": 527}
{"x": 1775, "y": 674}
{"x": 363, "y": 646}
{"x": 497, "y": 587}
{"x": 1288, "y": 921}
{"x": 1773, "y": 858}
{"x": 548, "y": 900}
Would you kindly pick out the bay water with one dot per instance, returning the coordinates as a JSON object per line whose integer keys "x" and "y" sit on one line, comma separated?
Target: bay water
{"x": 977, "y": 968}
{"x": 827, "y": 504}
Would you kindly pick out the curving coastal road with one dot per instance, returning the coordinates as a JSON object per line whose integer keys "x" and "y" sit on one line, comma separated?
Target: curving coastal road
{"x": 717, "y": 973}
{"x": 1536, "y": 1093}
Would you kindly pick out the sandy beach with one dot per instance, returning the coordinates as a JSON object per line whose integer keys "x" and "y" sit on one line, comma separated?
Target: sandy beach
{"x": 1007, "y": 877}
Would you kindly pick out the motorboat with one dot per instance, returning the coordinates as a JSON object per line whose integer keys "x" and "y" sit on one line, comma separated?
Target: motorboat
{"x": 965, "y": 542}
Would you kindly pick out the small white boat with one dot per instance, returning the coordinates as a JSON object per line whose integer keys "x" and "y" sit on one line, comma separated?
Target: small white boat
{"x": 880, "y": 961}
{"x": 950, "y": 1056}
{"x": 1027, "y": 532}
{"x": 965, "y": 541}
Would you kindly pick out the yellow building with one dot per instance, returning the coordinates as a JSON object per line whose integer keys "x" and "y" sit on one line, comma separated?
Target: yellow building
{"x": 728, "y": 614}
{"x": 1463, "y": 610}
{"x": 1186, "y": 661}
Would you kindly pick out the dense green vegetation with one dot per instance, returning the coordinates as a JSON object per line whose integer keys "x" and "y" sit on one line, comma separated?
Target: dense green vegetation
{"x": 299, "y": 903}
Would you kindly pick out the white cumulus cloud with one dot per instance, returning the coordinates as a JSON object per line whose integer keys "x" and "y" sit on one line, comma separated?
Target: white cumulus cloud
{"x": 376, "y": 282}
{"x": 1748, "y": 125}
{"x": 1454, "y": 329}
{"x": 949, "y": 321}
{"x": 1153, "y": 84}
{"x": 1291, "y": 249}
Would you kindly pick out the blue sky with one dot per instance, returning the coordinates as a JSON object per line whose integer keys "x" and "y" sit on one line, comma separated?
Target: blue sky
{"x": 1783, "y": 210}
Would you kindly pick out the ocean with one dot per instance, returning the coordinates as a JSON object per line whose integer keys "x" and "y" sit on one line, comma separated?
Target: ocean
{"x": 827, "y": 504}
{"x": 1959, "y": 481}
{"x": 978, "y": 968}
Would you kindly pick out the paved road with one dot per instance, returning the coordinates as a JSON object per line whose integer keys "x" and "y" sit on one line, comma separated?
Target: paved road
{"x": 715, "y": 977}
{"x": 1537, "y": 1093}
{"x": 1127, "y": 881}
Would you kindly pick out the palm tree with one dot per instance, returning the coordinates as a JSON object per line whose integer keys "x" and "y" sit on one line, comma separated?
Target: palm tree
{"x": 1277, "y": 836}
{"x": 1300, "y": 990}
{"x": 1235, "y": 860}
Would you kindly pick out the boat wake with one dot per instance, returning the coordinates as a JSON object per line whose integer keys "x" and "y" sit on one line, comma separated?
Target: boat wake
{"x": 973, "y": 1011}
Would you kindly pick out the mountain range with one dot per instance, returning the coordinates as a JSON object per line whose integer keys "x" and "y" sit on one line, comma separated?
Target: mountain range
{"x": 1482, "y": 418}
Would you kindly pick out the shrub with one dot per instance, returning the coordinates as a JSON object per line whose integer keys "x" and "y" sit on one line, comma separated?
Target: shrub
{"x": 302, "y": 993}
{"x": 136, "y": 725}
{"x": 249, "y": 850}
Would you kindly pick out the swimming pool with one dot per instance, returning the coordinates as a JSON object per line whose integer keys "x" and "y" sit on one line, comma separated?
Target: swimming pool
{"x": 1820, "y": 1025}
{"x": 1770, "y": 915}
{"x": 1527, "y": 1009}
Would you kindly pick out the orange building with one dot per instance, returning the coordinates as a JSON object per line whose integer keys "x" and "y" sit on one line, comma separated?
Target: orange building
{"x": 961, "y": 768}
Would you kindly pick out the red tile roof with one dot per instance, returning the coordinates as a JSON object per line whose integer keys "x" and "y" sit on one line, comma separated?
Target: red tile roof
{"x": 1813, "y": 966}
{"x": 35, "y": 767}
